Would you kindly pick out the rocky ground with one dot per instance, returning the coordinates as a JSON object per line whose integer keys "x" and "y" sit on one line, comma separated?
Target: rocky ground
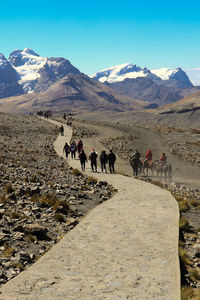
{"x": 41, "y": 198}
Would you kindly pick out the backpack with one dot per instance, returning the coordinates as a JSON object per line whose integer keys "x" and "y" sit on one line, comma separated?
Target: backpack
{"x": 73, "y": 147}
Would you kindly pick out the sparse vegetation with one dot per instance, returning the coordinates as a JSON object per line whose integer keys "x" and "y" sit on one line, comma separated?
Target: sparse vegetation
{"x": 183, "y": 223}
{"x": 8, "y": 251}
{"x": 4, "y": 198}
{"x": 32, "y": 238}
{"x": 76, "y": 172}
{"x": 15, "y": 215}
{"x": 183, "y": 205}
{"x": 183, "y": 256}
{"x": 91, "y": 180}
{"x": 189, "y": 293}
{"x": 8, "y": 188}
{"x": 45, "y": 200}
{"x": 59, "y": 217}
{"x": 195, "y": 274}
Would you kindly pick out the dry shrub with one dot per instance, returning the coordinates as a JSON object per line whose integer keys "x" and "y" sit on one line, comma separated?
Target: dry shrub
{"x": 61, "y": 206}
{"x": 195, "y": 274}
{"x": 184, "y": 205}
{"x": 183, "y": 223}
{"x": 32, "y": 238}
{"x": 4, "y": 198}
{"x": 194, "y": 202}
{"x": 15, "y": 215}
{"x": 183, "y": 256}
{"x": 189, "y": 293}
{"x": 8, "y": 251}
{"x": 46, "y": 200}
{"x": 8, "y": 188}
{"x": 59, "y": 218}
{"x": 178, "y": 197}
{"x": 91, "y": 180}
{"x": 76, "y": 172}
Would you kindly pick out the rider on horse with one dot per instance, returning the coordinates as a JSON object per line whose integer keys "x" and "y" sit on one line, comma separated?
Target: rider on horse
{"x": 148, "y": 155}
{"x": 162, "y": 159}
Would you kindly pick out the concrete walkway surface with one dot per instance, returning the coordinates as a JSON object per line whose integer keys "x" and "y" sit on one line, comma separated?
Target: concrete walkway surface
{"x": 126, "y": 248}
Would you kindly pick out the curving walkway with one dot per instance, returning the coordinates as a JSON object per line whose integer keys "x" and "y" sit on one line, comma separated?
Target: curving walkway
{"x": 126, "y": 248}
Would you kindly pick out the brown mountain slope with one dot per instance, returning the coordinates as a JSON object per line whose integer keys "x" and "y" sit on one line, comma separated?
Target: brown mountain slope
{"x": 191, "y": 102}
{"x": 183, "y": 114}
{"x": 75, "y": 92}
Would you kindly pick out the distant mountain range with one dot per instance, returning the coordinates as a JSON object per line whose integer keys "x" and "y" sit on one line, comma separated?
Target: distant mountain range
{"x": 29, "y": 82}
{"x": 73, "y": 93}
{"x": 158, "y": 86}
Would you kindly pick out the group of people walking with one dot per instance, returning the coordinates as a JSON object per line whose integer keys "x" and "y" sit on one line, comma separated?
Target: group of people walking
{"x": 104, "y": 158}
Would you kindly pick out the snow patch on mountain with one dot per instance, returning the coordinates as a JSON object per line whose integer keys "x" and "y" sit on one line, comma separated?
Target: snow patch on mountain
{"x": 121, "y": 72}
{"x": 27, "y": 63}
{"x": 165, "y": 73}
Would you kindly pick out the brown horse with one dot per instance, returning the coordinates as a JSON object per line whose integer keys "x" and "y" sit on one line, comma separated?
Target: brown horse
{"x": 163, "y": 168}
{"x": 146, "y": 165}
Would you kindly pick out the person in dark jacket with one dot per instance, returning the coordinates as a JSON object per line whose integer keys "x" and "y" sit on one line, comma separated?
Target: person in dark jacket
{"x": 66, "y": 149}
{"x": 83, "y": 159}
{"x": 135, "y": 162}
{"x": 79, "y": 146}
{"x": 93, "y": 158}
{"x": 111, "y": 161}
{"x": 73, "y": 149}
{"x": 61, "y": 130}
{"x": 103, "y": 161}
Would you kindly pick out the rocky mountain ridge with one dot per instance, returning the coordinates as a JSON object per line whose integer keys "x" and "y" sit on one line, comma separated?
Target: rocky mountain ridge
{"x": 130, "y": 71}
{"x": 74, "y": 93}
{"x": 30, "y": 72}
{"x": 160, "y": 86}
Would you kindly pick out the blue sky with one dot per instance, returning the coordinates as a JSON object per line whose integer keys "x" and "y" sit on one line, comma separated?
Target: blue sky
{"x": 97, "y": 34}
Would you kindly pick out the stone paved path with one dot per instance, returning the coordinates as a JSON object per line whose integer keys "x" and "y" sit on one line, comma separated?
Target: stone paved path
{"x": 126, "y": 248}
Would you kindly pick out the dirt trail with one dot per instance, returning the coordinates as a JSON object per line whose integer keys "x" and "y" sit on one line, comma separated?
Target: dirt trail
{"x": 126, "y": 248}
{"x": 183, "y": 172}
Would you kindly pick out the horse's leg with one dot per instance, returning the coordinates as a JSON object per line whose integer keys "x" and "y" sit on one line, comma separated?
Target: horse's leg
{"x": 152, "y": 171}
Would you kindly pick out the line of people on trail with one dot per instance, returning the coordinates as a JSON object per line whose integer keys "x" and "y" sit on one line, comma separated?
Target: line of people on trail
{"x": 135, "y": 160}
{"x": 104, "y": 158}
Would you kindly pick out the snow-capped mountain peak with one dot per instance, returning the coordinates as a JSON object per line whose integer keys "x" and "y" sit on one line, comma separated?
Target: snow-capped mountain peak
{"x": 122, "y": 72}
{"x": 27, "y": 63}
{"x": 165, "y": 73}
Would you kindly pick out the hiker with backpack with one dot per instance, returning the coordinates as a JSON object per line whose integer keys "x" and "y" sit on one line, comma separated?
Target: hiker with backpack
{"x": 83, "y": 158}
{"x": 73, "y": 149}
{"x": 66, "y": 149}
{"x": 93, "y": 159}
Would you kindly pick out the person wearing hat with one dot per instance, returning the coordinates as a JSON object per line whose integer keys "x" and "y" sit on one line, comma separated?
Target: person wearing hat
{"x": 93, "y": 159}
